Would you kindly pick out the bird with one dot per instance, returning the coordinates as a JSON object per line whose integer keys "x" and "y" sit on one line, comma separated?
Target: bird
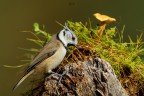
{"x": 51, "y": 54}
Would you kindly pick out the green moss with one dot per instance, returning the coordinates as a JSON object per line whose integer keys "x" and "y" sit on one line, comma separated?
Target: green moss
{"x": 112, "y": 49}
{"x": 125, "y": 57}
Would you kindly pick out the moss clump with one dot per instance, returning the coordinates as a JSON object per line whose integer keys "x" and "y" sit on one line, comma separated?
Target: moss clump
{"x": 125, "y": 57}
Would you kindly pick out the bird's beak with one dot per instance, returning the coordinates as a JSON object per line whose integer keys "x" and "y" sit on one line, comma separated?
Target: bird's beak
{"x": 75, "y": 45}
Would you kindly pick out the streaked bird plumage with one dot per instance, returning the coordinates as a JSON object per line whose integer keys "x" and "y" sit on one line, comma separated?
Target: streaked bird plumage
{"x": 52, "y": 54}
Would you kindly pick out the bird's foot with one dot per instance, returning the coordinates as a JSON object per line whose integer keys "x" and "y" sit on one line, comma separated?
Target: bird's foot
{"x": 60, "y": 79}
{"x": 56, "y": 75}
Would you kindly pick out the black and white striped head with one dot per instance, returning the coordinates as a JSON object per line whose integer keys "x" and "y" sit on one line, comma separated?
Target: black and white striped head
{"x": 67, "y": 37}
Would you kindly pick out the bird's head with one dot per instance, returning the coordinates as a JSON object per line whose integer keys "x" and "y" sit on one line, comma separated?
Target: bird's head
{"x": 67, "y": 37}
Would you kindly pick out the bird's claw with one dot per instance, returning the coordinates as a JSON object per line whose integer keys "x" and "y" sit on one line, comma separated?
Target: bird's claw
{"x": 54, "y": 74}
{"x": 61, "y": 76}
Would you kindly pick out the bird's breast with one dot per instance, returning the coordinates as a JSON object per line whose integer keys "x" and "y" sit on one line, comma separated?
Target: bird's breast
{"x": 56, "y": 59}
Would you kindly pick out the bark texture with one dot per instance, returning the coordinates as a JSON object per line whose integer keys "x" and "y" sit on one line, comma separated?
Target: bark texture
{"x": 94, "y": 77}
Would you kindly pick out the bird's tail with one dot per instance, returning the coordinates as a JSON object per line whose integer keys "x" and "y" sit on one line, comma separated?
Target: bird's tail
{"x": 22, "y": 79}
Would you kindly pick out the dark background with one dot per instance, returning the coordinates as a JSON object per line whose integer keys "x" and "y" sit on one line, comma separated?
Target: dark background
{"x": 18, "y": 15}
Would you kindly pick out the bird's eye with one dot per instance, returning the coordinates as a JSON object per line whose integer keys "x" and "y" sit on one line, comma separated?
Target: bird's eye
{"x": 73, "y": 38}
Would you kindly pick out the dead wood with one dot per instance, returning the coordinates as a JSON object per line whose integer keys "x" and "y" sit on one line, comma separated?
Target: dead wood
{"x": 94, "y": 77}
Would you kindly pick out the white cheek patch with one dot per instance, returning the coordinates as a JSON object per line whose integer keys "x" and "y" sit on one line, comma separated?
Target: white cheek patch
{"x": 68, "y": 36}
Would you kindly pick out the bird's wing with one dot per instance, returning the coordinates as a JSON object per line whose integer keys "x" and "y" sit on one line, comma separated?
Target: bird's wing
{"x": 41, "y": 57}
{"x": 45, "y": 53}
{"x": 38, "y": 60}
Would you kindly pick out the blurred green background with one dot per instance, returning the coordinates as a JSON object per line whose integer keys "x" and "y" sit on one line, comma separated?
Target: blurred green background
{"x": 18, "y": 15}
